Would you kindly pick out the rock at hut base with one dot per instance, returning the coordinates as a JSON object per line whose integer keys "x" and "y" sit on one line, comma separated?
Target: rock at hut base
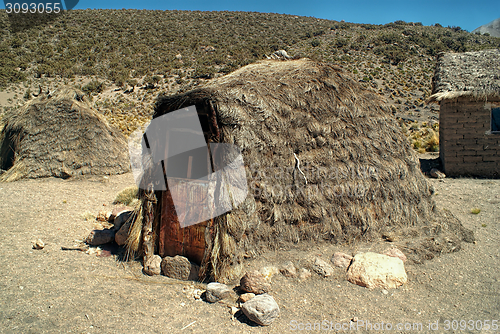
{"x": 122, "y": 234}
{"x": 177, "y": 267}
{"x": 374, "y": 270}
{"x": 100, "y": 237}
{"x": 254, "y": 282}
{"x": 217, "y": 291}
{"x": 261, "y": 309}
{"x": 153, "y": 266}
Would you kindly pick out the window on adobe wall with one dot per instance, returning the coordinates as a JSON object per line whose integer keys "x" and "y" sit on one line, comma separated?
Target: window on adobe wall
{"x": 495, "y": 120}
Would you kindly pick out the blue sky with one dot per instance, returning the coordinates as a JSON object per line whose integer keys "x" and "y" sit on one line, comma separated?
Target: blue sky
{"x": 464, "y": 13}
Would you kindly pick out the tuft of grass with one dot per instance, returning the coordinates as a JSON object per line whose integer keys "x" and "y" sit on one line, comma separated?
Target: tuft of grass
{"x": 483, "y": 225}
{"x": 475, "y": 211}
{"x": 127, "y": 195}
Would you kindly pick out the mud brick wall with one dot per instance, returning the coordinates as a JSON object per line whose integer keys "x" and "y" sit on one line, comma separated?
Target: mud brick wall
{"x": 466, "y": 144}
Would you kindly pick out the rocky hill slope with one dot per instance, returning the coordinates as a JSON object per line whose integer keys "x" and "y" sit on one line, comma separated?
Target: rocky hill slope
{"x": 125, "y": 58}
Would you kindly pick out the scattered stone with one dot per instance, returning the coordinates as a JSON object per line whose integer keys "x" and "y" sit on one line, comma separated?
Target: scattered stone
{"x": 197, "y": 294}
{"x": 100, "y": 237}
{"x": 261, "y": 309}
{"x": 304, "y": 274}
{"x": 234, "y": 310}
{"x": 288, "y": 269}
{"x": 269, "y": 272}
{"x": 153, "y": 265}
{"x": 178, "y": 56}
{"x": 341, "y": 260}
{"x": 217, "y": 291}
{"x": 385, "y": 292}
{"x": 322, "y": 268}
{"x": 254, "y": 281}
{"x": 374, "y": 270}
{"x": 121, "y": 219}
{"x": 246, "y": 297}
{"x": 394, "y": 252}
{"x": 102, "y": 216}
{"x": 122, "y": 234}
{"x": 38, "y": 244}
{"x": 177, "y": 267}
{"x": 437, "y": 174}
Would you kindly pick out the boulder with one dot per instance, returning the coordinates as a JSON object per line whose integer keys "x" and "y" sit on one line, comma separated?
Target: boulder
{"x": 177, "y": 267}
{"x": 374, "y": 270}
{"x": 341, "y": 260}
{"x": 100, "y": 237}
{"x": 153, "y": 265}
{"x": 121, "y": 219}
{"x": 322, "y": 268}
{"x": 254, "y": 282}
{"x": 261, "y": 309}
{"x": 217, "y": 291}
{"x": 122, "y": 234}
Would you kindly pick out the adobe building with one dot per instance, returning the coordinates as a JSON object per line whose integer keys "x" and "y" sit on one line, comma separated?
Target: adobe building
{"x": 467, "y": 88}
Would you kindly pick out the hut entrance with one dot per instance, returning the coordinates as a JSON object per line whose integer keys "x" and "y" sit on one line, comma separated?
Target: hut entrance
{"x": 187, "y": 188}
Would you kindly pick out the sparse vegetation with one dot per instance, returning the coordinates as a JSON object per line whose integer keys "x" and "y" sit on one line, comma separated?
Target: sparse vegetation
{"x": 475, "y": 211}
{"x": 127, "y": 196}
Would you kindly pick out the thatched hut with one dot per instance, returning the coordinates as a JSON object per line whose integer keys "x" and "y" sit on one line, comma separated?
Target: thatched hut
{"x": 60, "y": 135}
{"x": 361, "y": 180}
{"x": 467, "y": 88}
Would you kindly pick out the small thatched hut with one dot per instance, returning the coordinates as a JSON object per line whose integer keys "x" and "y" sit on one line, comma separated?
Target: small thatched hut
{"x": 361, "y": 180}
{"x": 60, "y": 135}
{"x": 467, "y": 87}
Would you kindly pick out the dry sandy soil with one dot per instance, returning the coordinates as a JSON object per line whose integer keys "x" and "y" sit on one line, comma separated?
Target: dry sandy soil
{"x": 57, "y": 291}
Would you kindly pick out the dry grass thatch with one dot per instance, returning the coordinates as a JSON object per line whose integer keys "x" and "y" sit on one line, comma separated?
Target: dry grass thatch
{"x": 475, "y": 74}
{"x": 363, "y": 179}
{"x": 61, "y": 136}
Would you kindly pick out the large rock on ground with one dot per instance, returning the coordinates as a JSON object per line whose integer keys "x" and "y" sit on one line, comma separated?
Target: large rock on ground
{"x": 261, "y": 309}
{"x": 177, "y": 267}
{"x": 122, "y": 234}
{"x": 374, "y": 270}
{"x": 217, "y": 291}
{"x": 100, "y": 237}
{"x": 153, "y": 265}
{"x": 121, "y": 219}
{"x": 254, "y": 282}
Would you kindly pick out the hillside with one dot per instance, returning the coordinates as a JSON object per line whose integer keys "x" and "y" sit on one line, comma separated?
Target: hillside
{"x": 492, "y": 28}
{"x": 107, "y": 52}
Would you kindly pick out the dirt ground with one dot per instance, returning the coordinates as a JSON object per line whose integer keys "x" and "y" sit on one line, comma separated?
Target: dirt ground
{"x": 57, "y": 291}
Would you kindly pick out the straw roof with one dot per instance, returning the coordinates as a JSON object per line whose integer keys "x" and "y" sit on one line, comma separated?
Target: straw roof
{"x": 475, "y": 74}
{"x": 363, "y": 178}
{"x": 60, "y": 135}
